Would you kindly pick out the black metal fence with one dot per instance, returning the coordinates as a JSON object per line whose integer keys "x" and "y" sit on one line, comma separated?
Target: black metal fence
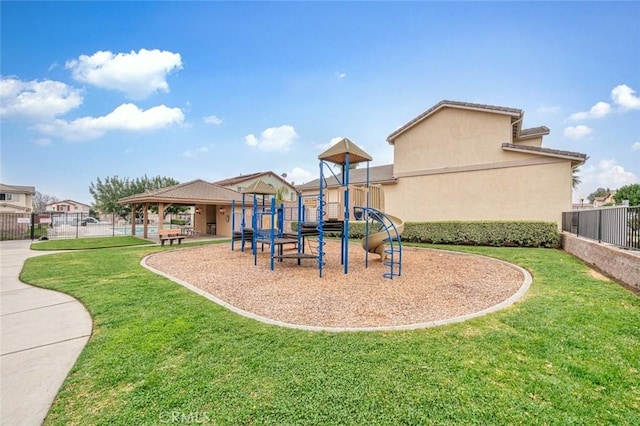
{"x": 33, "y": 226}
{"x": 24, "y": 226}
{"x": 619, "y": 226}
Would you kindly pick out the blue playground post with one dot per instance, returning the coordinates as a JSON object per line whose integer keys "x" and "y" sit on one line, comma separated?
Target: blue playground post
{"x": 345, "y": 228}
{"x": 320, "y": 226}
{"x": 233, "y": 223}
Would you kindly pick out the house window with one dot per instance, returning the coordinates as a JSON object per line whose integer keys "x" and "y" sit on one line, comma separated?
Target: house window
{"x": 6, "y": 197}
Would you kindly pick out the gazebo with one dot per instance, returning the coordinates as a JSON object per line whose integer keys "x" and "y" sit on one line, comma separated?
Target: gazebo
{"x": 212, "y": 204}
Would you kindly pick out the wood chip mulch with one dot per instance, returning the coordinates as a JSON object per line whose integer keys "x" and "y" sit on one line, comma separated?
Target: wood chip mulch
{"x": 435, "y": 285}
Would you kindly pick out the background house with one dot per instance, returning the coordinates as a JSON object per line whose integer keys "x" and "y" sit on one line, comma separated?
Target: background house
{"x": 605, "y": 200}
{"x": 277, "y": 182}
{"x": 68, "y": 206}
{"x": 378, "y": 175}
{"x": 16, "y": 199}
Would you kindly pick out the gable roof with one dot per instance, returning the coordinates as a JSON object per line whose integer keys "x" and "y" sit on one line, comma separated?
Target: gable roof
{"x": 337, "y": 153}
{"x": 17, "y": 189}
{"x": 515, "y": 114}
{"x": 69, "y": 202}
{"x": 243, "y": 178}
{"x": 575, "y": 157}
{"x": 259, "y": 187}
{"x": 532, "y": 132}
{"x": 377, "y": 175}
{"x": 195, "y": 191}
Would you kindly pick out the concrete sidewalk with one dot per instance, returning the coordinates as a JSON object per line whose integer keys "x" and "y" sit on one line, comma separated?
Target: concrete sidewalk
{"x": 42, "y": 332}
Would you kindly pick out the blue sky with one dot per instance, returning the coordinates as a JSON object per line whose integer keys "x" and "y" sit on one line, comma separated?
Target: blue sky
{"x": 211, "y": 90}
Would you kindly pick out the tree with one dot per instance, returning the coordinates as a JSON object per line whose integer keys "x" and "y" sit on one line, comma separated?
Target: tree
{"x": 41, "y": 200}
{"x": 628, "y": 192}
{"x": 281, "y": 193}
{"x": 600, "y": 192}
{"x": 107, "y": 193}
{"x": 575, "y": 177}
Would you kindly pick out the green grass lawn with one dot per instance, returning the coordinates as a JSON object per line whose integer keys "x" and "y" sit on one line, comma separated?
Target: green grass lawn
{"x": 567, "y": 353}
{"x": 89, "y": 243}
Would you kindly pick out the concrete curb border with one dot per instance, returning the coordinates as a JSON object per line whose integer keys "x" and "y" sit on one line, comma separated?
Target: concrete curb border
{"x": 528, "y": 279}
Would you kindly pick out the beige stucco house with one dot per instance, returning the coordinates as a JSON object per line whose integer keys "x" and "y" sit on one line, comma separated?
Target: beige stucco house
{"x": 16, "y": 199}
{"x": 463, "y": 161}
{"x": 277, "y": 182}
{"x": 68, "y": 206}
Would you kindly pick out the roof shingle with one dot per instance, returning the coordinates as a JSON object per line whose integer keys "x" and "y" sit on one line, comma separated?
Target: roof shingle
{"x": 572, "y": 155}
{"x": 17, "y": 189}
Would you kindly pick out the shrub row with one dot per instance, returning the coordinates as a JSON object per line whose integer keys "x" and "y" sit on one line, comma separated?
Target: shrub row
{"x": 490, "y": 233}
{"x": 498, "y": 233}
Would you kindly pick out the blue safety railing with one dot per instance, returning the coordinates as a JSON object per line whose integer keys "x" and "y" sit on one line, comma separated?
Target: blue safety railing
{"x": 381, "y": 222}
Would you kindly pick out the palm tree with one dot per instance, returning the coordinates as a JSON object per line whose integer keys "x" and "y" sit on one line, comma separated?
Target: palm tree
{"x": 575, "y": 181}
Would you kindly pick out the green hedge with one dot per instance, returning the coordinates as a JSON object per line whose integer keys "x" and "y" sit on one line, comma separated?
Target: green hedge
{"x": 490, "y": 233}
{"x": 179, "y": 222}
{"x": 498, "y": 233}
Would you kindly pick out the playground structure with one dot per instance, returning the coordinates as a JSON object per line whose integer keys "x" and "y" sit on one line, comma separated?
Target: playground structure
{"x": 317, "y": 215}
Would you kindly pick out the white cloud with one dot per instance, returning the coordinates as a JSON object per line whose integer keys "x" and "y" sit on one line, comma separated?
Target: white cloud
{"x": 299, "y": 176}
{"x": 273, "y": 139}
{"x": 607, "y": 174}
{"x": 340, "y": 75}
{"x": 138, "y": 75}
{"x": 636, "y": 146}
{"x": 599, "y": 110}
{"x": 332, "y": 142}
{"x": 194, "y": 153}
{"x": 577, "y": 132}
{"x": 212, "y": 119}
{"x": 36, "y": 100}
{"x": 623, "y": 96}
{"x": 127, "y": 117}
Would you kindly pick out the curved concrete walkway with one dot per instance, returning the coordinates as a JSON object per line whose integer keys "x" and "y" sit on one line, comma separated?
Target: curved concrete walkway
{"x": 42, "y": 333}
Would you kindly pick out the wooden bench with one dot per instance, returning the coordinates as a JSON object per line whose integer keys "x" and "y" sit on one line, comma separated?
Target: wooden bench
{"x": 169, "y": 235}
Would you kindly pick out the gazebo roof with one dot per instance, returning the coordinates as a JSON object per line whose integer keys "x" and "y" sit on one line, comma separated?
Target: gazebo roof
{"x": 193, "y": 192}
{"x": 338, "y": 153}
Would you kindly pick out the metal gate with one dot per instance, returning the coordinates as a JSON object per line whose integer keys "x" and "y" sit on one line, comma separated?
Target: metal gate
{"x": 18, "y": 226}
